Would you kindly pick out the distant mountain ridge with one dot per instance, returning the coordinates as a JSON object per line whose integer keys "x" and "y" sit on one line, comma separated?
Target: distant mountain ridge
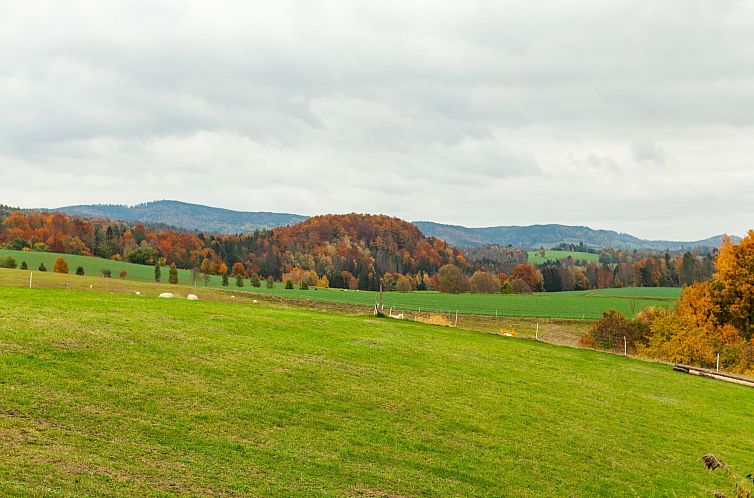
{"x": 218, "y": 220}
{"x": 535, "y": 236}
{"x": 188, "y": 216}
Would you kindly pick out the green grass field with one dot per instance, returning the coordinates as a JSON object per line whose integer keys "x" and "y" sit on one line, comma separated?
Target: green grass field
{"x": 107, "y": 394}
{"x": 537, "y": 259}
{"x": 576, "y": 305}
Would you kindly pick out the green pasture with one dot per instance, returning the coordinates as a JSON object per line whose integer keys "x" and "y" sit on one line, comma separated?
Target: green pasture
{"x": 121, "y": 395}
{"x": 578, "y": 305}
{"x": 537, "y": 259}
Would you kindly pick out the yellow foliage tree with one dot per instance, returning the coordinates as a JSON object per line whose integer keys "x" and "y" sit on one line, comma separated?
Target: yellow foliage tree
{"x": 733, "y": 283}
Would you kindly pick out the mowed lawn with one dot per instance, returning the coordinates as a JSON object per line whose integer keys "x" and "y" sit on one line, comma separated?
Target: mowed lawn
{"x": 106, "y": 394}
{"x": 574, "y": 305}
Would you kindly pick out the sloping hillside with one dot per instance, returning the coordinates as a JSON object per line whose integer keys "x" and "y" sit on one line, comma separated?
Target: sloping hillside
{"x": 134, "y": 396}
{"x": 187, "y": 216}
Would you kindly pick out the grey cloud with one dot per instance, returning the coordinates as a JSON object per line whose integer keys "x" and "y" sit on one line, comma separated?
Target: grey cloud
{"x": 648, "y": 151}
{"x": 366, "y": 103}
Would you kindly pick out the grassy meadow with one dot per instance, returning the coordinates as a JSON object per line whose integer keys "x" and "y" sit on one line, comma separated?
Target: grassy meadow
{"x": 537, "y": 259}
{"x": 108, "y": 394}
{"x": 569, "y": 305}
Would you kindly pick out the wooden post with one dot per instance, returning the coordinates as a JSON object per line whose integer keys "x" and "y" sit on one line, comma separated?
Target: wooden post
{"x": 625, "y": 346}
{"x": 456, "y": 318}
{"x": 31, "y": 274}
{"x": 536, "y": 334}
{"x": 380, "y": 294}
{"x": 718, "y": 362}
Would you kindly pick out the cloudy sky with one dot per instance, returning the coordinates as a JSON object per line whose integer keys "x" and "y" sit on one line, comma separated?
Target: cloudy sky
{"x": 633, "y": 116}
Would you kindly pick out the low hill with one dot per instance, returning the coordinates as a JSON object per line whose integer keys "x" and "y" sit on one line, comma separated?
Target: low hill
{"x": 536, "y": 236}
{"x": 225, "y": 221}
{"x": 122, "y": 395}
{"x": 187, "y": 216}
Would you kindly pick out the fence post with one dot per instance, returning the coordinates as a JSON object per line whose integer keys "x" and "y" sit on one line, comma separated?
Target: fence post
{"x": 31, "y": 274}
{"x": 456, "y": 318}
{"x": 718, "y": 362}
{"x": 625, "y": 346}
{"x": 536, "y": 334}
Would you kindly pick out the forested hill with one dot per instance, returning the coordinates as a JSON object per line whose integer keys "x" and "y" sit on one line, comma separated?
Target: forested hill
{"x": 187, "y": 216}
{"x": 535, "y": 236}
{"x": 350, "y": 250}
{"x": 208, "y": 219}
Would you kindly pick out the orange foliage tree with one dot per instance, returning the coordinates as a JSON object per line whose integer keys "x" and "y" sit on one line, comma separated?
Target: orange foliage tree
{"x": 60, "y": 266}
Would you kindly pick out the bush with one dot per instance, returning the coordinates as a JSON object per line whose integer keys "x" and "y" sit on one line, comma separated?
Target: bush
{"x": 7, "y": 262}
{"x": 254, "y": 280}
{"x": 451, "y": 279}
{"x": 157, "y": 272}
{"x": 484, "y": 283}
{"x": 239, "y": 280}
{"x": 42, "y": 267}
{"x": 289, "y": 284}
{"x": 24, "y": 266}
{"x": 225, "y": 280}
{"x": 122, "y": 274}
{"x": 304, "y": 285}
{"x": 404, "y": 284}
{"x": 609, "y": 331}
{"x": 106, "y": 273}
{"x": 519, "y": 286}
{"x": 60, "y": 266}
{"x": 80, "y": 270}
{"x": 270, "y": 282}
{"x": 173, "y": 274}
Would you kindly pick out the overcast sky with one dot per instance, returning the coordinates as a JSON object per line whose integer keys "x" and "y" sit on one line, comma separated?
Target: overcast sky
{"x": 633, "y": 116}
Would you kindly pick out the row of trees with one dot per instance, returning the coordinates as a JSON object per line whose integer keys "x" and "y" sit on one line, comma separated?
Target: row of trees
{"x": 346, "y": 251}
{"x": 337, "y": 247}
{"x": 712, "y": 317}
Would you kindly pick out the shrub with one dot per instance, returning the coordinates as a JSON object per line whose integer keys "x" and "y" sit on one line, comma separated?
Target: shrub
{"x": 451, "y": 280}
{"x": 173, "y": 274}
{"x": 609, "y": 332}
{"x": 289, "y": 284}
{"x": 24, "y": 266}
{"x": 404, "y": 284}
{"x": 225, "y": 280}
{"x": 60, "y": 266}
{"x": 254, "y": 280}
{"x": 270, "y": 282}
{"x": 80, "y": 270}
{"x": 519, "y": 286}
{"x": 42, "y": 267}
{"x": 157, "y": 272}
{"x": 239, "y": 280}
{"x": 484, "y": 283}
{"x": 304, "y": 285}
{"x": 106, "y": 273}
{"x": 8, "y": 262}
{"x": 122, "y": 274}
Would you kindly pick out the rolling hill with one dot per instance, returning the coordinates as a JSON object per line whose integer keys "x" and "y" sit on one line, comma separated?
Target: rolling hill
{"x": 124, "y": 395}
{"x": 218, "y": 220}
{"x": 535, "y": 236}
{"x": 188, "y": 216}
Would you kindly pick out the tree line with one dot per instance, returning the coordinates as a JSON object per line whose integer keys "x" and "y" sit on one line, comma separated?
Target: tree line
{"x": 713, "y": 317}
